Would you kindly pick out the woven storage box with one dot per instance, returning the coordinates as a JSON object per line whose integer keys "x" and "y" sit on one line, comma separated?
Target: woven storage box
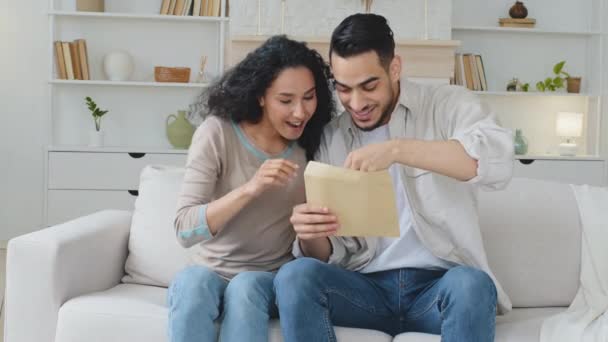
{"x": 169, "y": 74}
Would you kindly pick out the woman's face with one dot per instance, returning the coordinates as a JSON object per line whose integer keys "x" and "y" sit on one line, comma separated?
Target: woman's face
{"x": 290, "y": 102}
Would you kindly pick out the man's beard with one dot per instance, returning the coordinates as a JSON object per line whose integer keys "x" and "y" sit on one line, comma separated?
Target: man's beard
{"x": 386, "y": 113}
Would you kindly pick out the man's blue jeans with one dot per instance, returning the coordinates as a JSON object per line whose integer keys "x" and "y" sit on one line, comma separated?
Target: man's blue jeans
{"x": 198, "y": 297}
{"x": 312, "y": 296}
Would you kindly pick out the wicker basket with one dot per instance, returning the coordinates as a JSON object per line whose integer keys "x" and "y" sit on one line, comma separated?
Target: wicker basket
{"x": 170, "y": 74}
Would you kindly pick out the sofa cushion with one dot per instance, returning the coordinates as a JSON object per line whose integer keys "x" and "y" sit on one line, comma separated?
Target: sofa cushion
{"x": 532, "y": 237}
{"x": 130, "y": 312}
{"x": 155, "y": 256}
{"x": 519, "y": 325}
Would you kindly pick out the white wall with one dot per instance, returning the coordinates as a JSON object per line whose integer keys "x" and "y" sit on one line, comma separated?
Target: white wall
{"x": 318, "y": 18}
{"x": 23, "y": 76}
{"x": 23, "y": 83}
{"x": 604, "y": 142}
{"x": 23, "y": 61}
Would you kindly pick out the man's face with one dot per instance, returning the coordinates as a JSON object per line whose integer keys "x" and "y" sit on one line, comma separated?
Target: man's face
{"x": 366, "y": 89}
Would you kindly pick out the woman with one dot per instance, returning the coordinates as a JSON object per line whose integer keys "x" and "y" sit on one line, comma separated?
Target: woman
{"x": 243, "y": 177}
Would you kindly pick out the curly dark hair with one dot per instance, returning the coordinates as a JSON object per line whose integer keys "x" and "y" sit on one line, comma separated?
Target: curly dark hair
{"x": 235, "y": 96}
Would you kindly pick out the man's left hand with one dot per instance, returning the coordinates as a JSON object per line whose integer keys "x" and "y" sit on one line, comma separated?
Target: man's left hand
{"x": 374, "y": 157}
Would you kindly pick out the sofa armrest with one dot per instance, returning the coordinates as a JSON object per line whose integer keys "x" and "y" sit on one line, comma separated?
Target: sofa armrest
{"x": 48, "y": 267}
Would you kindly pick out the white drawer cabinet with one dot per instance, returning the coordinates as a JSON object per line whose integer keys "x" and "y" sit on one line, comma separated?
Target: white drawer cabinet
{"x": 65, "y": 205}
{"x": 580, "y": 171}
{"x": 82, "y": 182}
{"x": 103, "y": 171}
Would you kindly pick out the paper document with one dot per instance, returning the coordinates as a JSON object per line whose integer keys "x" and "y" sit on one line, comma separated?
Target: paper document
{"x": 364, "y": 202}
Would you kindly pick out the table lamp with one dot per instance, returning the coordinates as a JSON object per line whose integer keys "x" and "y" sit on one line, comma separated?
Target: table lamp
{"x": 569, "y": 125}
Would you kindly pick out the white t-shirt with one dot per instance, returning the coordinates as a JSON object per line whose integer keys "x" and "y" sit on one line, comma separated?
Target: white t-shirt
{"x": 407, "y": 250}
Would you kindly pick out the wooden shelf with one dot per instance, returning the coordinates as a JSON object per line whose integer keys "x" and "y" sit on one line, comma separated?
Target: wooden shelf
{"x": 115, "y": 149}
{"x": 523, "y": 30}
{"x": 130, "y": 83}
{"x": 425, "y": 58}
{"x": 532, "y": 93}
{"x": 158, "y": 17}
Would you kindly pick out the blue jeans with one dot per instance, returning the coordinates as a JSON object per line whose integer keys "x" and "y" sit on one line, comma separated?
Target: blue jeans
{"x": 312, "y": 296}
{"x": 198, "y": 297}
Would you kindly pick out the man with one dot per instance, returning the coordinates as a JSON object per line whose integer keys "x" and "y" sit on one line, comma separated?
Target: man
{"x": 440, "y": 145}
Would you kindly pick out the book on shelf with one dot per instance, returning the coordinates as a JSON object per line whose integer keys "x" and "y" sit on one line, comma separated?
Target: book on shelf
{"x": 215, "y": 9}
{"x": 469, "y": 71}
{"x": 164, "y": 7}
{"x": 60, "y": 61}
{"x": 179, "y": 7}
{"x": 202, "y": 8}
{"x": 481, "y": 72}
{"x": 68, "y": 60}
{"x": 172, "y": 4}
{"x": 474, "y": 72}
{"x": 75, "y": 61}
{"x": 84, "y": 58}
{"x": 196, "y": 7}
{"x": 72, "y": 60}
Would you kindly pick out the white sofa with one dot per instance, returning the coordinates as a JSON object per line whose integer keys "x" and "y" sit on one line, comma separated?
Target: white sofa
{"x": 64, "y": 282}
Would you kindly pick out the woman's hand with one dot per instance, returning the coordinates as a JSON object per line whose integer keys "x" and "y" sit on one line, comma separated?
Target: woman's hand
{"x": 272, "y": 173}
{"x": 312, "y": 222}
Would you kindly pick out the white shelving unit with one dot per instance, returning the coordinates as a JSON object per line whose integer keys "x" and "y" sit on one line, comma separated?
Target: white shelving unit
{"x": 533, "y": 93}
{"x": 563, "y": 32}
{"x": 129, "y": 83}
{"x": 533, "y": 31}
{"x": 574, "y": 33}
{"x": 116, "y": 149}
{"x": 134, "y": 127}
{"x": 138, "y": 107}
{"x": 109, "y": 15}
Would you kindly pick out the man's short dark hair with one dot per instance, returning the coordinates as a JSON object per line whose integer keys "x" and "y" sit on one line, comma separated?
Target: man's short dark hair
{"x": 360, "y": 33}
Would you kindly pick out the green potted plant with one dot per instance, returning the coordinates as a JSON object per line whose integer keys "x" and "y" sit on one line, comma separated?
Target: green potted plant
{"x": 573, "y": 84}
{"x": 96, "y": 136}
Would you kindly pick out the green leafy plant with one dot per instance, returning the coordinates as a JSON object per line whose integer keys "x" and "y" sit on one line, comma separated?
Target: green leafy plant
{"x": 96, "y": 112}
{"x": 556, "y": 82}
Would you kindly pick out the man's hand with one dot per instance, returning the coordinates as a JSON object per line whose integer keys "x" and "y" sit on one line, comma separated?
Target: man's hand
{"x": 312, "y": 222}
{"x": 374, "y": 157}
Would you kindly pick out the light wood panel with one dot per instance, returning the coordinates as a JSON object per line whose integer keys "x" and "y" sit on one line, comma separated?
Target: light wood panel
{"x": 421, "y": 58}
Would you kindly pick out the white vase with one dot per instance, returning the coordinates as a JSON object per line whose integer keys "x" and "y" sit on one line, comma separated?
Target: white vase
{"x": 96, "y": 138}
{"x": 118, "y": 65}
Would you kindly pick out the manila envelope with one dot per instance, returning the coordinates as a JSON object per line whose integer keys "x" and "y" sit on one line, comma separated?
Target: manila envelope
{"x": 364, "y": 202}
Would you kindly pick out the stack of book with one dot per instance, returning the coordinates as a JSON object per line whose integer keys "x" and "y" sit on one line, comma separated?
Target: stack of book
{"x": 72, "y": 60}
{"x": 469, "y": 72}
{"x": 197, "y": 8}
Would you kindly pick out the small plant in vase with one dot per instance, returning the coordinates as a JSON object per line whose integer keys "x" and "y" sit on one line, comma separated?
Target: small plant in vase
{"x": 552, "y": 84}
{"x": 95, "y": 137}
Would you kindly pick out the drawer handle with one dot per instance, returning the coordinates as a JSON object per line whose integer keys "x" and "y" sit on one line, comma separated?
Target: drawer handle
{"x": 133, "y": 192}
{"x": 136, "y": 155}
{"x": 527, "y": 161}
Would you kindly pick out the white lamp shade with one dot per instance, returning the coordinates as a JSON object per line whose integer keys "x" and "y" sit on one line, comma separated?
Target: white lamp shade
{"x": 569, "y": 124}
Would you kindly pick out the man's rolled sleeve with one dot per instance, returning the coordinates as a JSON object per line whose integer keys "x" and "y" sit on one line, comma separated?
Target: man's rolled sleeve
{"x": 492, "y": 147}
{"x": 473, "y": 124}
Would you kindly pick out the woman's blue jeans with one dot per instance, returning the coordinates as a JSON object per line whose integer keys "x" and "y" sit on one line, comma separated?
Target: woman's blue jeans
{"x": 198, "y": 297}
